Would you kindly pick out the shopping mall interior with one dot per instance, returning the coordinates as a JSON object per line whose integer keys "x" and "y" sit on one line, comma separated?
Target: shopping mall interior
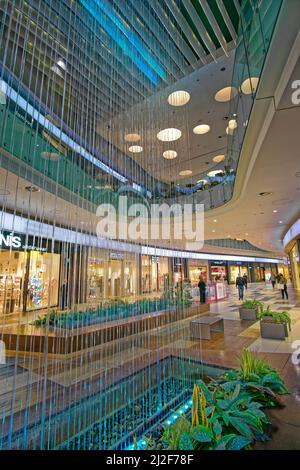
{"x": 149, "y": 225}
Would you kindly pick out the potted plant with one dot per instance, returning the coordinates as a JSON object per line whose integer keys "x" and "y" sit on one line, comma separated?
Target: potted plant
{"x": 250, "y": 309}
{"x": 274, "y": 325}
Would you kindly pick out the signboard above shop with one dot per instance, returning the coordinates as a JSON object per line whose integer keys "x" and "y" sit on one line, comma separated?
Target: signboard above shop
{"x": 21, "y": 242}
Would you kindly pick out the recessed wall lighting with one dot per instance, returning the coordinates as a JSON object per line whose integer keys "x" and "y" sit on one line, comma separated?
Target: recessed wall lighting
{"x": 170, "y": 154}
{"x": 179, "y": 98}
{"x": 32, "y": 189}
{"x": 249, "y": 85}
{"x": 219, "y": 158}
{"x": 225, "y": 94}
{"x": 135, "y": 149}
{"x": 132, "y": 137}
{"x": 201, "y": 129}
{"x": 185, "y": 172}
{"x": 168, "y": 135}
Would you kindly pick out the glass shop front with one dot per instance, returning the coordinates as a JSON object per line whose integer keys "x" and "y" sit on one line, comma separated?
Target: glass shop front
{"x": 111, "y": 275}
{"x": 29, "y": 273}
{"x": 218, "y": 271}
{"x": 197, "y": 269}
{"x": 155, "y": 273}
{"x": 294, "y": 256}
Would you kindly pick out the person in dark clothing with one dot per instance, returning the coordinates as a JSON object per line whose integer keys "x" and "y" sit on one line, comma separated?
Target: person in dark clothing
{"x": 245, "y": 277}
{"x": 283, "y": 281}
{"x": 202, "y": 290}
{"x": 240, "y": 286}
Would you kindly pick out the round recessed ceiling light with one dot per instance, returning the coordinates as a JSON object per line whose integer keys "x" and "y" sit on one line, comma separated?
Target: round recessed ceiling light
{"x": 280, "y": 221}
{"x": 215, "y": 172}
{"x": 52, "y": 156}
{"x": 132, "y": 137}
{"x": 201, "y": 129}
{"x": 185, "y": 172}
{"x": 135, "y": 149}
{"x": 168, "y": 135}
{"x": 170, "y": 154}
{"x": 249, "y": 85}
{"x": 229, "y": 131}
{"x": 275, "y": 210}
{"x": 226, "y": 94}
{"x": 264, "y": 193}
{"x": 179, "y": 98}
{"x": 219, "y": 158}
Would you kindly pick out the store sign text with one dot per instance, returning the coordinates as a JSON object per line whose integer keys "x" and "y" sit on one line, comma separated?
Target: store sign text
{"x": 10, "y": 241}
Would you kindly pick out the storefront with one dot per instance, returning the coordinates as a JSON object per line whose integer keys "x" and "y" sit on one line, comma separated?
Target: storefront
{"x": 180, "y": 270}
{"x": 197, "y": 269}
{"x": 238, "y": 268}
{"x": 29, "y": 273}
{"x": 294, "y": 256}
{"x": 110, "y": 275}
{"x": 218, "y": 271}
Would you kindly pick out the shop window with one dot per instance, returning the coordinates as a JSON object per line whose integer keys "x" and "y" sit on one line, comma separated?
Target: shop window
{"x": 43, "y": 280}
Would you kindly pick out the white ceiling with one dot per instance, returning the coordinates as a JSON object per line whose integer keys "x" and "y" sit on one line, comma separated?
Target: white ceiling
{"x": 195, "y": 152}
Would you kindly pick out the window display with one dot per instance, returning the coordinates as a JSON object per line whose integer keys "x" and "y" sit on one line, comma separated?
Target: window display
{"x": 197, "y": 271}
{"x": 43, "y": 280}
{"x": 218, "y": 272}
{"x": 295, "y": 266}
{"x": 12, "y": 272}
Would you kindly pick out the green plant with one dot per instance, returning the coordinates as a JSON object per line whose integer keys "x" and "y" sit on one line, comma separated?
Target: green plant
{"x": 251, "y": 364}
{"x": 253, "y": 303}
{"x": 276, "y": 317}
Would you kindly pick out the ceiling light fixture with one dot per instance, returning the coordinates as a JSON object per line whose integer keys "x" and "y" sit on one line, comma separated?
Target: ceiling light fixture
{"x": 225, "y": 94}
{"x": 201, "y": 181}
{"x": 265, "y": 193}
{"x": 201, "y": 129}
{"x": 169, "y": 135}
{"x": 232, "y": 124}
{"x": 179, "y": 98}
{"x": 169, "y": 154}
{"x": 219, "y": 158}
{"x": 275, "y": 210}
{"x": 185, "y": 173}
{"x": 132, "y": 137}
{"x": 249, "y": 85}
{"x": 280, "y": 221}
{"x": 135, "y": 149}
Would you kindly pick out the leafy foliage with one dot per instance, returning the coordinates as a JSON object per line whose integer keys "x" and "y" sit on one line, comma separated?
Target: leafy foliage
{"x": 277, "y": 317}
{"x": 227, "y": 413}
{"x": 253, "y": 304}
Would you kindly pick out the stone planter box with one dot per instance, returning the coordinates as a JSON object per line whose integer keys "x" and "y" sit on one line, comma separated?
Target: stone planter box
{"x": 248, "y": 313}
{"x": 272, "y": 330}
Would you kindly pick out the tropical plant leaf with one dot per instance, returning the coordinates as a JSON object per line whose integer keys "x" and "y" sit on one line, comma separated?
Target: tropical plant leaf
{"x": 202, "y": 434}
{"x": 217, "y": 427}
{"x": 185, "y": 442}
{"x": 238, "y": 443}
{"x": 241, "y": 426}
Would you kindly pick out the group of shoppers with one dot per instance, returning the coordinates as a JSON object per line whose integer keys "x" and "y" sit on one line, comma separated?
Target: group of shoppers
{"x": 280, "y": 282}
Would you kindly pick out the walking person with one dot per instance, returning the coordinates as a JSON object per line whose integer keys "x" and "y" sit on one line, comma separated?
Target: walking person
{"x": 202, "y": 290}
{"x": 245, "y": 278}
{"x": 273, "y": 280}
{"x": 283, "y": 283}
{"x": 240, "y": 286}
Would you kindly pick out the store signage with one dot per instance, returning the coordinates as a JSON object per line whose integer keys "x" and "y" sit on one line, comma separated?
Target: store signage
{"x": 20, "y": 242}
{"x": 155, "y": 259}
{"x": 8, "y": 240}
{"x": 116, "y": 255}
